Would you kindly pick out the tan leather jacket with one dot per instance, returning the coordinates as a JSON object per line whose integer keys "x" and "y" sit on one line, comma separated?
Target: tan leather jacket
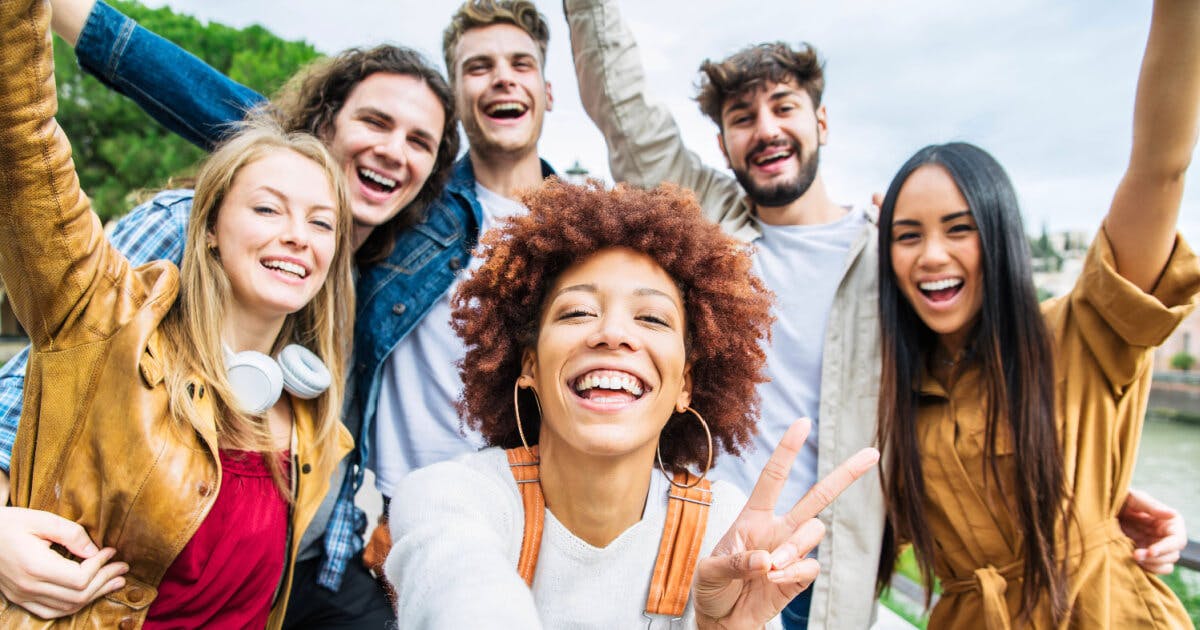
{"x": 646, "y": 148}
{"x": 96, "y": 443}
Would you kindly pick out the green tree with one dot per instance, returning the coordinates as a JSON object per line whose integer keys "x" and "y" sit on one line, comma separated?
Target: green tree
{"x": 1183, "y": 360}
{"x": 118, "y": 149}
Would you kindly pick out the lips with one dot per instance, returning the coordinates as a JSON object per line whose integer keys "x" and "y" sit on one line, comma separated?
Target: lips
{"x": 506, "y": 110}
{"x": 286, "y": 267}
{"x": 375, "y": 180}
{"x": 942, "y": 290}
{"x": 607, "y": 386}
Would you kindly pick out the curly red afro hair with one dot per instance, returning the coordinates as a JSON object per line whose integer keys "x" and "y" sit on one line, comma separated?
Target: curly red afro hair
{"x": 497, "y": 310}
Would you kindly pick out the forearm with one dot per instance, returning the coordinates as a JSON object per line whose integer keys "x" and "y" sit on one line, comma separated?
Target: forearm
{"x": 1141, "y": 222}
{"x": 49, "y": 237}
{"x": 644, "y": 142}
{"x": 184, "y": 94}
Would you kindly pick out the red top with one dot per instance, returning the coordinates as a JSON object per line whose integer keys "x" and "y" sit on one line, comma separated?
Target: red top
{"x": 227, "y": 574}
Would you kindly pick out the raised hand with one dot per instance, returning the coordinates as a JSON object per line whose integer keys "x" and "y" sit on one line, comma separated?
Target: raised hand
{"x": 38, "y": 579}
{"x": 1157, "y": 530}
{"x": 760, "y": 564}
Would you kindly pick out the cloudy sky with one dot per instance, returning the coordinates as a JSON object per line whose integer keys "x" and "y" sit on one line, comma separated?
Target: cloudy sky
{"x": 1048, "y": 88}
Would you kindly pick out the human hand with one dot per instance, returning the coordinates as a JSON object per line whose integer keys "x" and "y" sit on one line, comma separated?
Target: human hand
{"x": 38, "y": 579}
{"x": 761, "y": 563}
{"x": 1157, "y": 531}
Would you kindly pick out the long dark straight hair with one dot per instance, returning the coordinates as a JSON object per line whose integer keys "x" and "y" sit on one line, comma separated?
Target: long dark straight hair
{"x": 1014, "y": 350}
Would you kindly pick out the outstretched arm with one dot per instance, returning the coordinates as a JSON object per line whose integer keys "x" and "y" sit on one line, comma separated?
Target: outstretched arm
{"x": 184, "y": 94}
{"x": 1141, "y": 222}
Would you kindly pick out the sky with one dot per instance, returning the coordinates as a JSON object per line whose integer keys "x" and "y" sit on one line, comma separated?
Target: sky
{"x": 1046, "y": 87}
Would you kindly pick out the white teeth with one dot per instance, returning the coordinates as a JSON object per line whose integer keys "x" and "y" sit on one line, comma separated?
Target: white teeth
{"x": 288, "y": 267}
{"x": 938, "y": 285}
{"x": 616, "y": 383}
{"x": 506, "y": 107}
{"x": 386, "y": 182}
{"x": 771, "y": 156}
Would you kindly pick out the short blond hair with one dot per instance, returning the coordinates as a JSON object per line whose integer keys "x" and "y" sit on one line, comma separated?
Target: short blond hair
{"x": 480, "y": 13}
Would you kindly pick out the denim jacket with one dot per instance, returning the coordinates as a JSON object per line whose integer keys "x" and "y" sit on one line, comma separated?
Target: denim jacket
{"x": 192, "y": 99}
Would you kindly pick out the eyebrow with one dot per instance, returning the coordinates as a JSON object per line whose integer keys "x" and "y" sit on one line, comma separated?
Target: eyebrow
{"x": 779, "y": 94}
{"x": 591, "y": 288}
{"x": 953, "y": 216}
{"x": 284, "y": 198}
{"x": 374, "y": 111}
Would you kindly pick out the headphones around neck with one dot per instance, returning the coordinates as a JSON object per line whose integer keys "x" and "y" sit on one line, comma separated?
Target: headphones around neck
{"x": 258, "y": 380}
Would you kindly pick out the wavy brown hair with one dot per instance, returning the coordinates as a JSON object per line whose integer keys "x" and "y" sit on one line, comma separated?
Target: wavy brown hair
{"x": 311, "y": 99}
{"x": 752, "y": 68}
{"x": 480, "y": 13}
{"x": 497, "y": 310}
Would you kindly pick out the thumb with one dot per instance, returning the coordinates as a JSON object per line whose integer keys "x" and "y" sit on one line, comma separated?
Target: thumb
{"x": 720, "y": 570}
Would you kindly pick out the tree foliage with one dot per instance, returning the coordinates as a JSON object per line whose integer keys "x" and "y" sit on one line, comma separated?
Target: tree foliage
{"x": 119, "y": 150}
{"x": 1183, "y": 360}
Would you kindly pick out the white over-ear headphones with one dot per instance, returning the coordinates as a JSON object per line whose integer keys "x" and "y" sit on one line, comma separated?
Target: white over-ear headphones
{"x": 258, "y": 380}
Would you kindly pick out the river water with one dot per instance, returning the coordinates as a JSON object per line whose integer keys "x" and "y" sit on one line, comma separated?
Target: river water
{"x": 1168, "y": 467}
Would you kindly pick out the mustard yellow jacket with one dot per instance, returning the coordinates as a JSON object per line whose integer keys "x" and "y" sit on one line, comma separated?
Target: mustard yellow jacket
{"x": 97, "y": 443}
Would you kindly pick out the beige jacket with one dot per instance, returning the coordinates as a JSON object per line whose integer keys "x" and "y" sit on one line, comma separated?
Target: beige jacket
{"x": 96, "y": 443}
{"x": 645, "y": 149}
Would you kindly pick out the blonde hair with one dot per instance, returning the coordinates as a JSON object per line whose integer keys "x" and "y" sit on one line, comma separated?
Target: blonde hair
{"x": 480, "y": 13}
{"x": 193, "y": 326}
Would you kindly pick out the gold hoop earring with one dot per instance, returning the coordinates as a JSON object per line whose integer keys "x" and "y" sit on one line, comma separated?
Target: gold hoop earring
{"x": 517, "y": 412}
{"x": 708, "y": 465}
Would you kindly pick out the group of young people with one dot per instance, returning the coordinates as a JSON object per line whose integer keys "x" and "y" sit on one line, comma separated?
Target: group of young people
{"x": 578, "y": 403}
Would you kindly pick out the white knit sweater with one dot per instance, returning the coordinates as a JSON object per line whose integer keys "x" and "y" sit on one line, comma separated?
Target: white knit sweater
{"x": 457, "y": 527}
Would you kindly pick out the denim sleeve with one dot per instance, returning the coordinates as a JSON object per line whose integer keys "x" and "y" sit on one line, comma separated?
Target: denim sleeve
{"x": 181, "y": 92}
{"x": 153, "y": 231}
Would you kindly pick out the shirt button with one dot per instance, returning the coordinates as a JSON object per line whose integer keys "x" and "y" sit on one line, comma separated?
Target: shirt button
{"x": 127, "y": 624}
{"x": 455, "y": 263}
{"x": 135, "y": 595}
{"x": 399, "y": 309}
{"x": 307, "y": 468}
{"x": 202, "y": 488}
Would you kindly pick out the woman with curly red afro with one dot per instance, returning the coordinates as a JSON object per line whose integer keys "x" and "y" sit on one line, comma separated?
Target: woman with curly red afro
{"x": 607, "y": 330}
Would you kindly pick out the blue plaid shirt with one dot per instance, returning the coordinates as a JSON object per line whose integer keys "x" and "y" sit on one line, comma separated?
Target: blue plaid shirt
{"x": 156, "y": 230}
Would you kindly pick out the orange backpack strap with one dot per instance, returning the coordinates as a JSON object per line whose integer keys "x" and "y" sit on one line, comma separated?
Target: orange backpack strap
{"x": 524, "y": 466}
{"x": 683, "y": 533}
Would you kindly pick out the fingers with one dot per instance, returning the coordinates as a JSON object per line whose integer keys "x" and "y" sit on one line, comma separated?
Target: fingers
{"x": 1138, "y": 501}
{"x": 737, "y": 566}
{"x": 775, "y": 473}
{"x": 69, "y": 534}
{"x": 1161, "y": 564}
{"x": 826, "y": 490}
{"x": 802, "y": 573}
{"x": 794, "y": 550}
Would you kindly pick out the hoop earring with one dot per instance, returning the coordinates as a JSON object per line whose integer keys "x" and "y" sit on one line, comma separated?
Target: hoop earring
{"x": 517, "y": 413}
{"x": 708, "y": 465}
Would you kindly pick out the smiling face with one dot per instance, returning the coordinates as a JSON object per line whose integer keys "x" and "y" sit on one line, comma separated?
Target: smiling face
{"x": 610, "y": 365}
{"x": 275, "y": 234}
{"x": 386, "y": 136}
{"x": 500, "y": 90}
{"x": 771, "y": 138}
{"x": 936, "y": 255}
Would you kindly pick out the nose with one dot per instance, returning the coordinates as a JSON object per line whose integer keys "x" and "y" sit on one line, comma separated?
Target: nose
{"x": 296, "y": 232}
{"x": 612, "y": 332}
{"x": 767, "y": 126}
{"x": 934, "y": 253}
{"x": 393, "y": 149}
{"x": 503, "y": 75}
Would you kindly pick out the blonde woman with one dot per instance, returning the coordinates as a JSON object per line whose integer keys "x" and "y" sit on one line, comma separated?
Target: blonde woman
{"x": 144, "y": 420}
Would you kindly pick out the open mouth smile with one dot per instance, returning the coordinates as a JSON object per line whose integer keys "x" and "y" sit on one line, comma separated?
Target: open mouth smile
{"x": 506, "y": 110}
{"x": 772, "y": 156}
{"x": 943, "y": 290}
{"x": 376, "y": 181}
{"x": 286, "y": 268}
{"x": 608, "y": 387}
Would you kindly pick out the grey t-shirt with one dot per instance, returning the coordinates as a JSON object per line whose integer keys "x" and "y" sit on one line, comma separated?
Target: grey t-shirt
{"x": 802, "y": 265}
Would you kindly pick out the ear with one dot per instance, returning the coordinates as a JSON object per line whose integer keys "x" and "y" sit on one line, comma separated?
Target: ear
{"x": 685, "y": 393}
{"x": 724, "y": 152}
{"x": 528, "y": 364}
{"x": 210, "y": 240}
{"x": 549, "y": 98}
{"x": 822, "y": 126}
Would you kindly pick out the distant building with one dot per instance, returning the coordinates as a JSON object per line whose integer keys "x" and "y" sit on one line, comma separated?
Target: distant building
{"x": 1058, "y": 260}
{"x": 577, "y": 174}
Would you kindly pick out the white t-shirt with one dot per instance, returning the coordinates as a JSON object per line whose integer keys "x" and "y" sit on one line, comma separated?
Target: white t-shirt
{"x": 803, "y": 265}
{"x": 457, "y": 528}
{"x": 416, "y": 423}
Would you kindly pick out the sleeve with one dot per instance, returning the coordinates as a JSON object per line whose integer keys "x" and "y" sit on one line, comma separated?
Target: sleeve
{"x": 184, "y": 94}
{"x": 451, "y": 561}
{"x": 1118, "y": 322}
{"x": 152, "y": 231}
{"x": 645, "y": 147}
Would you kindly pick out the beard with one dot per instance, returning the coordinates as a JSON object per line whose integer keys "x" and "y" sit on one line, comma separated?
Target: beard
{"x": 782, "y": 193}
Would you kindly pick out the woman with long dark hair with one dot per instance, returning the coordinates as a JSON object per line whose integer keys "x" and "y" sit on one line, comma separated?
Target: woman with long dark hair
{"x": 1010, "y": 428}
